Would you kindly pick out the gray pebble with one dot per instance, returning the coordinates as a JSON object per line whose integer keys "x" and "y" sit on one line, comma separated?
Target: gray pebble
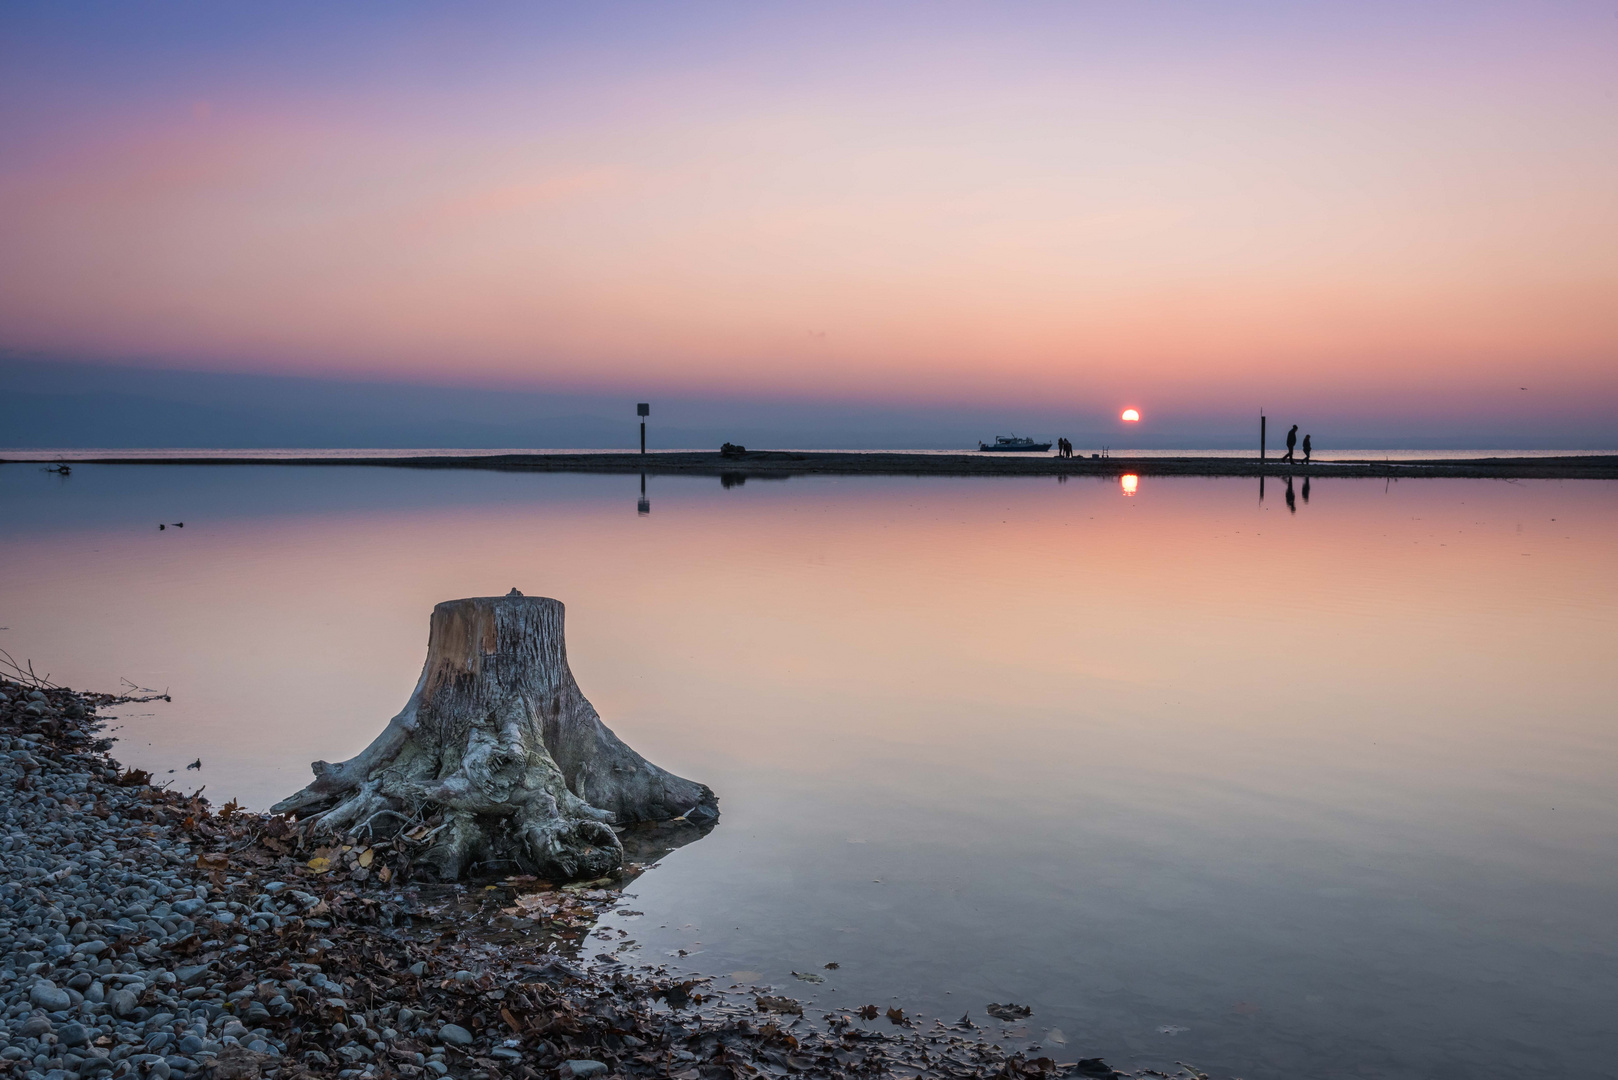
{"x": 455, "y": 1035}
{"x": 45, "y": 995}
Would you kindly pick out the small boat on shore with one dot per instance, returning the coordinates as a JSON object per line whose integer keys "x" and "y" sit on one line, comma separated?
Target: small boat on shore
{"x": 1014, "y": 444}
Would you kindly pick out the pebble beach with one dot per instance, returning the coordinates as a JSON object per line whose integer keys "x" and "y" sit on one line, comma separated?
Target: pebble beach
{"x": 147, "y": 933}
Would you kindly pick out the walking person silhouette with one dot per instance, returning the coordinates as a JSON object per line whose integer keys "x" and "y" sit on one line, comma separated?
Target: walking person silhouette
{"x": 1292, "y": 440}
{"x": 1306, "y": 449}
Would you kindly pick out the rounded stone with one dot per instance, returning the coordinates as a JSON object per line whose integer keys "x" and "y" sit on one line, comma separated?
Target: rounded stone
{"x": 45, "y": 995}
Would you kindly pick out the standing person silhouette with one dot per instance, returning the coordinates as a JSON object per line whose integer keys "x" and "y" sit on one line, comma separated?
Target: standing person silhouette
{"x": 1292, "y": 440}
{"x": 1307, "y": 450}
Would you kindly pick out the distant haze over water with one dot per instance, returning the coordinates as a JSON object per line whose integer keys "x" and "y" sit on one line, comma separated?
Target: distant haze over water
{"x": 62, "y": 406}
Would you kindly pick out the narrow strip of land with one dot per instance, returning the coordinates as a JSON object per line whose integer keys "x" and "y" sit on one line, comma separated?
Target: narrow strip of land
{"x": 765, "y": 464}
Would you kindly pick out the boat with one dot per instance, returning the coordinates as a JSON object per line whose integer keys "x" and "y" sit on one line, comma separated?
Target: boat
{"x": 1015, "y": 444}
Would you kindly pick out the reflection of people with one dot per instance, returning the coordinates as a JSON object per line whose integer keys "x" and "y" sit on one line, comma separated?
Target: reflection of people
{"x": 1306, "y": 489}
{"x": 1306, "y": 448}
{"x": 1292, "y": 440}
{"x": 1292, "y": 504}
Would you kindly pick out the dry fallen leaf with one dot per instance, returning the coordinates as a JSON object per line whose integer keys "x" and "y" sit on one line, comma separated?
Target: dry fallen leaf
{"x": 784, "y": 1005}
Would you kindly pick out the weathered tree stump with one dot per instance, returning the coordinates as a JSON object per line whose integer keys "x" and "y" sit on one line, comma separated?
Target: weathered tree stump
{"x": 499, "y": 740}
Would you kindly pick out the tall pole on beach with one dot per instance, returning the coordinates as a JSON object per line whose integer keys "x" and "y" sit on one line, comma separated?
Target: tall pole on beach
{"x": 1261, "y": 423}
{"x": 643, "y": 410}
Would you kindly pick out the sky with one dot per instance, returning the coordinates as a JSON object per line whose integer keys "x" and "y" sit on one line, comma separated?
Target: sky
{"x": 1387, "y": 217}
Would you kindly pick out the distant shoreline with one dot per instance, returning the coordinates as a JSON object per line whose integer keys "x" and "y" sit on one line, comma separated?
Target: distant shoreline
{"x": 780, "y": 464}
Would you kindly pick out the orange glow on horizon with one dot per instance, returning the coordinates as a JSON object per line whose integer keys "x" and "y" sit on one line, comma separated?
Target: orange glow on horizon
{"x": 857, "y": 223}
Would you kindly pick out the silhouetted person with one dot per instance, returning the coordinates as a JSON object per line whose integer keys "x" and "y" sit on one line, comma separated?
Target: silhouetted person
{"x": 1306, "y": 483}
{"x": 1292, "y": 504}
{"x": 1292, "y": 441}
{"x": 1307, "y": 449}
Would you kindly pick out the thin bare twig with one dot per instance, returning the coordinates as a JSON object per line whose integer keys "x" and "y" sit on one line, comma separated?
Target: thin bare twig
{"x": 24, "y": 673}
{"x": 152, "y": 695}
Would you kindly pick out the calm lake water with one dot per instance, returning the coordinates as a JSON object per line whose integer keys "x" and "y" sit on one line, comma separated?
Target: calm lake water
{"x": 1324, "y": 793}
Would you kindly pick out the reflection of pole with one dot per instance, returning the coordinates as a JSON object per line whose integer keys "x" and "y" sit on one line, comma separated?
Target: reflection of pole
{"x": 644, "y": 506}
{"x": 1260, "y": 487}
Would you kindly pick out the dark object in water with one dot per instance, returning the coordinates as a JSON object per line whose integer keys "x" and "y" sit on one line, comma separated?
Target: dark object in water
{"x": 197, "y": 764}
{"x": 1009, "y": 1011}
{"x": 732, "y": 450}
{"x": 702, "y": 814}
{"x": 1015, "y": 444}
{"x": 60, "y": 470}
{"x": 1095, "y": 1067}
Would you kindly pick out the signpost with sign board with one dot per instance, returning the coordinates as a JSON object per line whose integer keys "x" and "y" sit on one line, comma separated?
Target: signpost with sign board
{"x": 643, "y": 410}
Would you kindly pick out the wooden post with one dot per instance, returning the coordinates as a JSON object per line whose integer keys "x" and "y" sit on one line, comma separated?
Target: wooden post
{"x": 1261, "y": 440}
{"x": 643, "y": 410}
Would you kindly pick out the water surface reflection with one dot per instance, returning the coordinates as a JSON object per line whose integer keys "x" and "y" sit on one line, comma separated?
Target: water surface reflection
{"x": 1281, "y": 794}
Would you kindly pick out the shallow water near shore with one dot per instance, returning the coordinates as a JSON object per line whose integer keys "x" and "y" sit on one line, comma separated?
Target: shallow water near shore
{"x": 1322, "y": 792}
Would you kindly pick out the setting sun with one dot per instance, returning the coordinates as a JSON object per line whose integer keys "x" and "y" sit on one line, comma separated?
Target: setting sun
{"x": 1130, "y": 416}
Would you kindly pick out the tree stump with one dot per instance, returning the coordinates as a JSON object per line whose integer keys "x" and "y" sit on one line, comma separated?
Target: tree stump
{"x": 499, "y": 740}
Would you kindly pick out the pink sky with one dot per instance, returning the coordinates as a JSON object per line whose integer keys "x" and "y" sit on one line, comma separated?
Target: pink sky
{"x": 1140, "y": 204}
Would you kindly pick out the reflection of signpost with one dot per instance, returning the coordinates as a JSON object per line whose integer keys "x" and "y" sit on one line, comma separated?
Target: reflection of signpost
{"x": 645, "y": 505}
{"x": 643, "y": 410}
